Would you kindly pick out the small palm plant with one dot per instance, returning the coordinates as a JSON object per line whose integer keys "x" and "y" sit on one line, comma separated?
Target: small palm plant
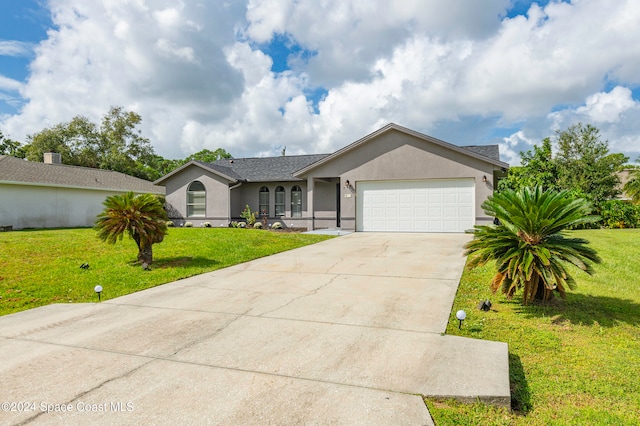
{"x": 141, "y": 216}
{"x": 632, "y": 187}
{"x": 527, "y": 245}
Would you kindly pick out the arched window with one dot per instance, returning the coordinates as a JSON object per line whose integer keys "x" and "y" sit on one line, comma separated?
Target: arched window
{"x": 296, "y": 201}
{"x": 263, "y": 204}
{"x": 196, "y": 200}
{"x": 279, "y": 201}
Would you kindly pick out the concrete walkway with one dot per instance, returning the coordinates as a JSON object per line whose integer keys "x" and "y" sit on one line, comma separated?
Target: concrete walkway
{"x": 347, "y": 331}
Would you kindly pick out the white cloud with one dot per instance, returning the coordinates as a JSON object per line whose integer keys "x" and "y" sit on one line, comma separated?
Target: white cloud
{"x": 15, "y": 48}
{"x": 169, "y": 49}
{"x": 195, "y": 73}
{"x": 513, "y": 145}
{"x": 9, "y": 84}
{"x": 608, "y": 107}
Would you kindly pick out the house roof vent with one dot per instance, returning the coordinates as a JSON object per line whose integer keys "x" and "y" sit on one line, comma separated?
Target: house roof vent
{"x": 52, "y": 158}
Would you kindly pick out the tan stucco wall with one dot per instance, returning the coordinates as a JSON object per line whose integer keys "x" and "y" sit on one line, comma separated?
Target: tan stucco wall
{"x": 217, "y": 207}
{"x": 395, "y": 155}
{"x": 248, "y": 193}
{"x": 28, "y": 206}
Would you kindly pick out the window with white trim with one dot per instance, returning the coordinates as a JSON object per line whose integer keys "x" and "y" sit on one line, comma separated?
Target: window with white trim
{"x": 296, "y": 201}
{"x": 279, "y": 201}
{"x": 196, "y": 200}
{"x": 263, "y": 204}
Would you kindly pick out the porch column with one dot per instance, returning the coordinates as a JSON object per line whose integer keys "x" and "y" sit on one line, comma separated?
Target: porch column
{"x": 310, "y": 208}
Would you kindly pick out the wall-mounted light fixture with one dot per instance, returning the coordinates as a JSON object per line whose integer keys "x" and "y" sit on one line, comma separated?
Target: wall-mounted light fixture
{"x": 484, "y": 178}
{"x": 347, "y": 184}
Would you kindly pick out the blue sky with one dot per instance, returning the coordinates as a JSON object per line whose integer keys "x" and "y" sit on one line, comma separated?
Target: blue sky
{"x": 24, "y": 21}
{"x": 254, "y": 76}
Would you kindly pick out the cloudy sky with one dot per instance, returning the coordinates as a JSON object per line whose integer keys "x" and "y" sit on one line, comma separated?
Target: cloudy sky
{"x": 255, "y": 76}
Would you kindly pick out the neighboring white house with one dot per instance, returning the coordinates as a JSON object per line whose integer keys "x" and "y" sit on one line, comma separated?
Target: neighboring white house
{"x": 53, "y": 195}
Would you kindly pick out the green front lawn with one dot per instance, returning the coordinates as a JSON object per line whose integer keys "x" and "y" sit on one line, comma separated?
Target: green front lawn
{"x": 42, "y": 267}
{"x": 573, "y": 361}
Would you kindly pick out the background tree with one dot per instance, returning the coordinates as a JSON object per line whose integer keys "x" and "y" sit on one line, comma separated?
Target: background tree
{"x": 585, "y": 164}
{"x": 122, "y": 146}
{"x": 10, "y": 147}
{"x": 528, "y": 246}
{"x": 142, "y": 217}
{"x": 538, "y": 169}
{"x": 582, "y": 165}
{"x": 51, "y": 139}
{"x": 116, "y": 144}
{"x": 208, "y": 156}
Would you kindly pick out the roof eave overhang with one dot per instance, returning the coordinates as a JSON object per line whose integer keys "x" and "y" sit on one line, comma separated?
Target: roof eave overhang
{"x": 92, "y": 188}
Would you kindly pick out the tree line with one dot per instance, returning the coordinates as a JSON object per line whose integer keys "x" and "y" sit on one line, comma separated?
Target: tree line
{"x": 575, "y": 159}
{"x": 115, "y": 144}
{"x": 582, "y": 165}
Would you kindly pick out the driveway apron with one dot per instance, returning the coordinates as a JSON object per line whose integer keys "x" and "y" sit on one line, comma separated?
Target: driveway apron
{"x": 347, "y": 331}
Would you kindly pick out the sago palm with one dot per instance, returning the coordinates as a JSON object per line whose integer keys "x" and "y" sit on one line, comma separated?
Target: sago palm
{"x": 528, "y": 246}
{"x": 141, "y": 216}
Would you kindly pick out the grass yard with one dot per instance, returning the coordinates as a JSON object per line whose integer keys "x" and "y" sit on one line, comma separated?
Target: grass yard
{"x": 43, "y": 267}
{"x": 573, "y": 361}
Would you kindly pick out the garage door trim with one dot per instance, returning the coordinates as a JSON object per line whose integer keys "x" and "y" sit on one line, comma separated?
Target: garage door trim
{"x": 422, "y": 205}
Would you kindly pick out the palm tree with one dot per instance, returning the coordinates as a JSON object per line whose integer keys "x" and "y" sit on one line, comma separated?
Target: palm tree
{"x": 632, "y": 187}
{"x": 142, "y": 217}
{"x": 527, "y": 245}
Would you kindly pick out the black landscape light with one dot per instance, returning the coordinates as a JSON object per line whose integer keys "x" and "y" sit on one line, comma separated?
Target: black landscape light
{"x": 485, "y": 305}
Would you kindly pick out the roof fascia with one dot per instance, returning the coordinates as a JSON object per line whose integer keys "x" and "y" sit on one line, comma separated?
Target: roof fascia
{"x": 53, "y": 185}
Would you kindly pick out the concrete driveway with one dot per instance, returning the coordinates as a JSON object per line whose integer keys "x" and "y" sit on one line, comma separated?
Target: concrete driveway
{"x": 347, "y": 331}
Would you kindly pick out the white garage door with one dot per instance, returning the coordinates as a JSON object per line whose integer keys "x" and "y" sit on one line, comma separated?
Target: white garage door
{"x": 431, "y": 205}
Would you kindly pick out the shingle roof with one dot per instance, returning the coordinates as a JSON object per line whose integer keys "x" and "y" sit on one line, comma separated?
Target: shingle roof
{"x": 281, "y": 169}
{"x": 15, "y": 170}
{"x": 491, "y": 151}
{"x": 269, "y": 169}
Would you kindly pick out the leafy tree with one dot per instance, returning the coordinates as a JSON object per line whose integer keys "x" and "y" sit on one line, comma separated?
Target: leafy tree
{"x": 117, "y": 144}
{"x": 582, "y": 165}
{"x": 122, "y": 145}
{"x": 10, "y": 147}
{"x": 159, "y": 166}
{"x": 142, "y": 217}
{"x": 585, "y": 165}
{"x": 632, "y": 187}
{"x": 52, "y": 139}
{"x": 538, "y": 169}
{"x": 528, "y": 246}
{"x": 208, "y": 156}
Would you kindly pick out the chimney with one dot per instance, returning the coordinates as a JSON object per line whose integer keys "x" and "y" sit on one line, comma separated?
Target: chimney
{"x": 52, "y": 158}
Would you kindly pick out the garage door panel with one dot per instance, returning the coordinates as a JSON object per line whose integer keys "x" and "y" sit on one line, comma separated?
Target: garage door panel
{"x": 431, "y": 205}
{"x": 451, "y": 211}
{"x": 435, "y": 198}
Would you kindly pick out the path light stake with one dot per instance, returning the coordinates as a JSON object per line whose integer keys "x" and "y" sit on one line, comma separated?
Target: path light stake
{"x": 461, "y": 315}
{"x": 98, "y": 289}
